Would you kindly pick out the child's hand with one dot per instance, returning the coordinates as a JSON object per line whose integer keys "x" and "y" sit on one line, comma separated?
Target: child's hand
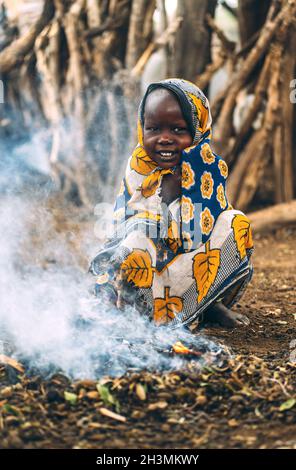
{"x": 126, "y": 292}
{"x": 118, "y": 284}
{"x": 120, "y": 304}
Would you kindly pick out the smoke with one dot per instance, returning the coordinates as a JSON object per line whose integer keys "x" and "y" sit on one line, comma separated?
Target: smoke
{"x": 48, "y": 313}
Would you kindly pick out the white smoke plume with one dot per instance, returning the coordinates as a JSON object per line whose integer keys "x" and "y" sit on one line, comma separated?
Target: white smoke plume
{"x": 47, "y": 309}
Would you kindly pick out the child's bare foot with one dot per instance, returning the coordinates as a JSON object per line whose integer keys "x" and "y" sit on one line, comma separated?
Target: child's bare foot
{"x": 218, "y": 313}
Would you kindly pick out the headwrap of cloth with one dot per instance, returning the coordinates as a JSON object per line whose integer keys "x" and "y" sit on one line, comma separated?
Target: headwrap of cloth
{"x": 204, "y": 174}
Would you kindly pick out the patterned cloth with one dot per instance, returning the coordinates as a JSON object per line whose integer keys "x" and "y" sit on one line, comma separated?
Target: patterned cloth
{"x": 179, "y": 259}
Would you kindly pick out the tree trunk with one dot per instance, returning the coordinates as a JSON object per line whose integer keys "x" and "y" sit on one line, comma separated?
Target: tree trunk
{"x": 14, "y": 54}
{"x": 274, "y": 217}
{"x": 193, "y": 41}
{"x": 289, "y": 66}
{"x": 140, "y": 30}
{"x": 251, "y": 17}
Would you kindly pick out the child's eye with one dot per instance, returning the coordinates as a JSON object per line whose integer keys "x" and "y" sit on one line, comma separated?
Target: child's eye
{"x": 180, "y": 129}
{"x": 151, "y": 128}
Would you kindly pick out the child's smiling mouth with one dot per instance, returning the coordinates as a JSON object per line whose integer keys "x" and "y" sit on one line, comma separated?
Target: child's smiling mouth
{"x": 168, "y": 155}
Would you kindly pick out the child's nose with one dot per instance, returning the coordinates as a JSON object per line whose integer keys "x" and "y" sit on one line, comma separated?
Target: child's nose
{"x": 165, "y": 138}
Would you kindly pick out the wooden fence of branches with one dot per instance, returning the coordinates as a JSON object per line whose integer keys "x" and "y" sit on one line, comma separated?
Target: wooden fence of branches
{"x": 80, "y": 65}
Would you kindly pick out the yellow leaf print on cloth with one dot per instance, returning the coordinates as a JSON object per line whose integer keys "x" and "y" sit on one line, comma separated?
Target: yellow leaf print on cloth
{"x": 242, "y": 234}
{"x": 187, "y": 209}
{"x": 152, "y": 182}
{"x": 188, "y": 179}
{"x": 221, "y": 196}
{"x": 141, "y": 162}
{"x": 223, "y": 168}
{"x": 165, "y": 310}
{"x": 173, "y": 239}
{"x": 205, "y": 268}
{"x": 207, "y": 185}
{"x": 206, "y": 221}
{"x": 137, "y": 268}
{"x": 207, "y": 154}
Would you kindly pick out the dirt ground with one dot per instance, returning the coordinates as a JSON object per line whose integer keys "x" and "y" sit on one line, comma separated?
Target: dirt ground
{"x": 250, "y": 402}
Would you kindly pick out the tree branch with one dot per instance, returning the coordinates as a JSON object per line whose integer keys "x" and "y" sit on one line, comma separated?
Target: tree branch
{"x": 231, "y": 10}
{"x": 14, "y": 54}
{"x": 153, "y": 46}
{"x": 228, "y": 45}
{"x": 273, "y": 217}
{"x": 111, "y": 23}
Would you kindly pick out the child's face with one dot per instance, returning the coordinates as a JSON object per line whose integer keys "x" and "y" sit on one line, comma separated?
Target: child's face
{"x": 166, "y": 132}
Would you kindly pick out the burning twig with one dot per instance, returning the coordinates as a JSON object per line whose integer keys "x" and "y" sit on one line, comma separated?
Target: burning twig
{"x": 179, "y": 348}
{"x": 12, "y": 363}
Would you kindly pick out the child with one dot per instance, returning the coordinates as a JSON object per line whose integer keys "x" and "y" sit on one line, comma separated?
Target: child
{"x": 179, "y": 249}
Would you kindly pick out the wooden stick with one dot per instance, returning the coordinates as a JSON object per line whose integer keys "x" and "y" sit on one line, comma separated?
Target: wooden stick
{"x": 204, "y": 79}
{"x": 139, "y": 67}
{"x": 140, "y": 20}
{"x": 250, "y": 43}
{"x": 231, "y": 10}
{"x": 228, "y": 46}
{"x": 244, "y": 132}
{"x": 256, "y": 146}
{"x": 224, "y": 124}
{"x": 288, "y": 73}
{"x": 261, "y": 155}
{"x": 76, "y": 79}
{"x": 161, "y": 5}
{"x": 47, "y": 49}
{"x": 14, "y": 54}
{"x": 217, "y": 104}
{"x": 277, "y": 163}
{"x": 153, "y": 46}
{"x": 12, "y": 363}
{"x": 274, "y": 217}
{"x": 249, "y": 168}
{"x": 111, "y": 23}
